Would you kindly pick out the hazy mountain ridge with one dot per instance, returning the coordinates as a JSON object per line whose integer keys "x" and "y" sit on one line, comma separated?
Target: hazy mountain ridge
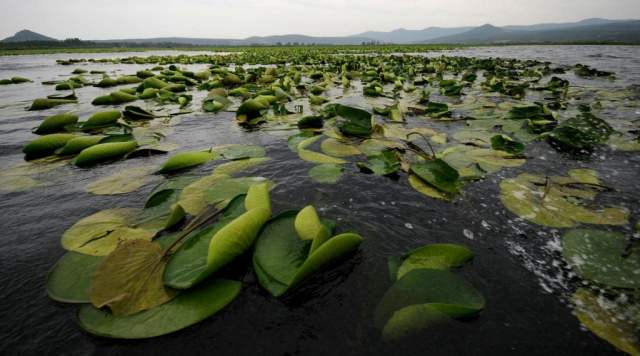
{"x": 617, "y": 31}
{"x": 594, "y": 30}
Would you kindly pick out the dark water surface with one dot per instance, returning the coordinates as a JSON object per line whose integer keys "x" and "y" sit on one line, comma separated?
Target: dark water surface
{"x": 517, "y": 265}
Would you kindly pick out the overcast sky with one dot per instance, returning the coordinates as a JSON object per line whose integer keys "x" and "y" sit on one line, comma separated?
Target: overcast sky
{"x": 113, "y": 19}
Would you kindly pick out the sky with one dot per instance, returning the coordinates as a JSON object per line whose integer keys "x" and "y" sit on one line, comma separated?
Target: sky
{"x": 117, "y": 19}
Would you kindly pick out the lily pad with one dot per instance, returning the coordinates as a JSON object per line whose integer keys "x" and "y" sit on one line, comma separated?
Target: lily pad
{"x": 326, "y": 173}
{"x": 602, "y": 257}
{"x": 186, "y": 309}
{"x": 282, "y": 259}
{"x": 69, "y": 280}
{"x": 99, "y": 234}
{"x": 124, "y": 181}
{"x": 184, "y": 160}
{"x": 557, "y": 201}
{"x": 104, "y": 152}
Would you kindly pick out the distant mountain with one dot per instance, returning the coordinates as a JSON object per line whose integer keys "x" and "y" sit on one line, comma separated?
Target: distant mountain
{"x": 402, "y": 35}
{"x": 561, "y": 25}
{"x": 28, "y": 36}
{"x": 589, "y": 30}
{"x": 616, "y": 31}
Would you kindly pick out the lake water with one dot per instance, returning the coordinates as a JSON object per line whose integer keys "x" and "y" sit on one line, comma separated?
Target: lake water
{"x": 517, "y": 265}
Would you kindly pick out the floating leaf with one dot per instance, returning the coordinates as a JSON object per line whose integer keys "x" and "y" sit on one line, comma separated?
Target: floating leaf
{"x": 188, "y": 264}
{"x": 556, "y": 201}
{"x": 315, "y": 157}
{"x": 439, "y": 291}
{"x": 385, "y": 163}
{"x": 70, "y": 279}
{"x": 186, "y": 309}
{"x": 582, "y": 132}
{"x": 79, "y": 143}
{"x": 426, "y": 189}
{"x": 45, "y": 145}
{"x": 234, "y": 167}
{"x": 434, "y": 256}
{"x": 354, "y": 121}
{"x": 43, "y": 104}
{"x": 124, "y": 181}
{"x": 101, "y": 119}
{"x": 233, "y": 152}
{"x": 439, "y": 174}
{"x": 506, "y": 143}
{"x": 282, "y": 260}
{"x": 56, "y": 123}
{"x": 326, "y": 173}
{"x": 185, "y": 160}
{"x": 605, "y": 322}
{"x": 100, "y": 233}
{"x": 129, "y": 280}
{"x": 104, "y": 152}
{"x": 335, "y": 148}
{"x": 193, "y": 197}
{"x": 602, "y": 257}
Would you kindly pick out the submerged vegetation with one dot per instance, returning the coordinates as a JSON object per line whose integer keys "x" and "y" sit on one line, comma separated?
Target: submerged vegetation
{"x": 437, "y": 125}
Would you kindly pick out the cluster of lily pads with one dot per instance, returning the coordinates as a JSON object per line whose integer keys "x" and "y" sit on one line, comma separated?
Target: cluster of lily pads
{"x": 438, "y": 122}
{"x": 14, "y": 80}
{"x": 146, "y": 272}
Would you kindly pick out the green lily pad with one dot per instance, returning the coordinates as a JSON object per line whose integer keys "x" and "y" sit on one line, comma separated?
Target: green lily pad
{"x": 282, "y": 259}
{"x": 602, "y": 257}
{"x": 104, "y": 152}
{"x": 69, "y": 280}
{"x": 124, "y": 181}
{"x": 56, "y": 123}
{"x": 184, "y": 160}
{"x": 100, "y": 233}
{"x": 439, "y": 290}
{"x": 557, "y": 201}
{"x": 326, "y": 173}
{"x": 439, "y": 174}
{"x": 186, "y": 309}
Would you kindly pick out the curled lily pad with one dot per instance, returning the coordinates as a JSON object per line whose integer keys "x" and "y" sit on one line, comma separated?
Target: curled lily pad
{"x": 124, "y": 181}
{"x": 557, "y": 201}
{"x": 426, "y": 189}
{"x": 43, "y": 104}
{"x": 354, "y": 121}
{"x": 45, "y": 145}
{"x": 326, "y": 173}
{"x": 603, "y": 257}
{"x": 222, "y": 242}
{"x": 282, "y": 259}
{"x": 506, "y": 143}
{"x": 433, "y": 256}
{"x": 132, "y": 112}
{"x": 79, "y": 143}
{"x": 385, "y": 163}
{"x": 101, "y": 119}
{"x": 56, "y": 123}
{"x": 104, "y": 152}
{"x": 439, "y": 174}
{"x": 439, "y": 291}
{"x": 186, "y": 309}
{"x": 185, "y": 160}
